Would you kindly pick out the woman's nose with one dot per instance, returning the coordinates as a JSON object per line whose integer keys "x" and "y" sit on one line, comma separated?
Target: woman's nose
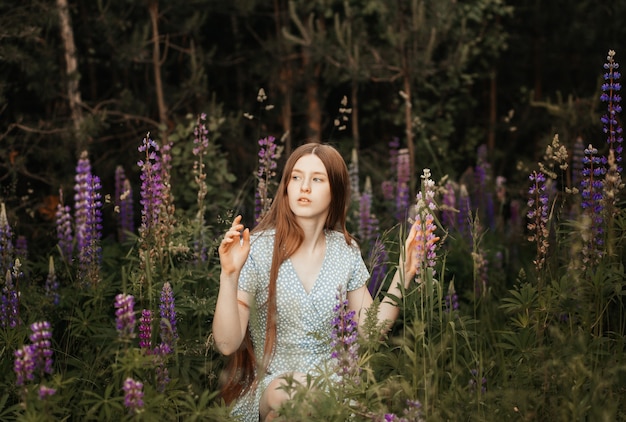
{"x": 305, "y": 186}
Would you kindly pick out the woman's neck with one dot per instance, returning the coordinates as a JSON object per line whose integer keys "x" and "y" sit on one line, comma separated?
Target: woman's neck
{"x": 314, "y": 236}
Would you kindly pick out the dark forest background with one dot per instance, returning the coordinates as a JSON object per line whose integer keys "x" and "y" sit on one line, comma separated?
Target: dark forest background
{"x": 442, "y": 76}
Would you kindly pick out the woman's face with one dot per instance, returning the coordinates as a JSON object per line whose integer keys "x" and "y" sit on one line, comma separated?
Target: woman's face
{"x": 308, "y": 189}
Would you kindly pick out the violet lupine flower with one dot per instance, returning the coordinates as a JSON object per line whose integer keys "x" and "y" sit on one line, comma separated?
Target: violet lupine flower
{"x": 343, "y": 340}
{"x": 464, "y": 217}
{"x": 133, "y": 395}
{"x": 378, "y": 256}
{"x": 451, "y": 301}
{"x": 40, "y": 347}
{"x": 413, "y": 411}
{"x": 481, "y": 272}
{"x": 402, "y": 193}
{"x": 21, "y": 247}
{"x": 161, "y": 372}
{"x": 473, "y": 382}
{"x": 24, "y": 365}
{"x": 151, "y": 185}
{"x": 63, "y": 219}
{"x": 123, "y": 204}
{"x": 52, "y": 284}
{"x": 591, "y": 191}
{"x": 201, "y": 145}
{"x": 9, "y": 301}
{"x": 538, "y": 217}
{"x": 353, "y": 171}
{"x": 168, "y": 317}
{"x": 368, "y": 223}
{"x": 448, "y": 205}
{"x": 145, "y": 330}
{"x": 611, "y": 96}
{"x": 269, "y": 153}
{"x": 425, "y": 243}
{"x": 6, "y": 241}
{"x": 125, "y": 315}
{"x": 88, "y": 220}
{"x": 45, "y": 392}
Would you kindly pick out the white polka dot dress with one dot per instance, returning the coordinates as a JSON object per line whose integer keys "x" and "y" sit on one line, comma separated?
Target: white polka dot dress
{"x": 304, "y": 320}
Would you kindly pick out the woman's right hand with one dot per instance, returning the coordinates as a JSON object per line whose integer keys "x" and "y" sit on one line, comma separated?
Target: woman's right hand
{"x": 234, "y": 248}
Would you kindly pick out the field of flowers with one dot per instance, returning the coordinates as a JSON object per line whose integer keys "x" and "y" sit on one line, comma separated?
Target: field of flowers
{"x": 517, "y": 312}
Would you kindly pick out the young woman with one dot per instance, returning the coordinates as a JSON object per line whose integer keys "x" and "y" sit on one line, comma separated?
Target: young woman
{"x": 278, "y": 285}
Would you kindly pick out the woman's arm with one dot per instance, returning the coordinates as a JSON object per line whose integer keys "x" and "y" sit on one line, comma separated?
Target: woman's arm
{"x": 232, "y": 309}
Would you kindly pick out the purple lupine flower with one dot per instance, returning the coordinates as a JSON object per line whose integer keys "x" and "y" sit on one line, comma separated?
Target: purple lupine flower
{"x": 9, "y": 299}
{"x": 201, "y": 145}
{"x": 344, "y": 340}
{"x": 40, "y": 347}
{"x": 538, "y": 217}
{"x": 473, "y": 382}
{"x": 168, "y": 316}
{"x": 451, "y": 300}
{"x": 151, "y": 185}
{"x": 52, "y": 284}
{"x": 145, "y": 330}
{"x": 21, "y": 247}
{"x": 448, "y": 205}
{"x": 123, "y": 204}
{"x": 133, "y": 395}
{"x": 403, "y": 178}
{"x": 45, "y": 392}
{"x": 88, "y": 221}
{"x": 162, "y": 374}
{"x": 413, "y": 411}
{"x": 24, "y": 365}
{"x": 378, "y": 258}
{"x": 6, "y": 241}
{"x": 481, "y": 272}
{"x": 425, "y": 243}
{"x": 368, "y": 223}
{"x": 269, "y": 153}
{"x": 63, "y": 220}
{"x": 591, "y": 191}
{"x": 464, "y": 216}
{"x": 353, "y": 170}
{"x": 125, "y": 315}
{"x": 611, "y": 96}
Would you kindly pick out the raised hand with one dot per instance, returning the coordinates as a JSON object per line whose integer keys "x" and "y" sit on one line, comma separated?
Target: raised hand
{"x": 234, "y": 248}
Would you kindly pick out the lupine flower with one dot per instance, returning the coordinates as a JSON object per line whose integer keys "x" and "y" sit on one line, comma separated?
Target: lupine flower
{"x": 344, "y": 336}
{"x": 151, "y": 185}
{"x": 52, "y": 285}
{"x": 162, "y": 374}
{"x": 353, "y": 171}
{"x": 448, "y": 205}
{"x": 473, "y": 382}
{"x": 125, "y": 315}
{"x": 464, "y": 217}
{"x": 378, "y": 258}
{"x": 591, "y": 191}
{"x": 21, "y": 247}
{"x": 451, "y": 301}
{"x": 145, "y": 330}
{"x": 578, "y": 155}
{"x": 201, "y": 144}
{"x": 481, "y": 276}
{"x": 168, "y": 316}
{"x": 9, "y": 301}
{"x": 123, "y": 204}
{"x": 63, "y": 220}
{"x": 413, "y": 411}
{"x": 40, "y": 347}
{"x": 269, "y": 153}
{"x": 6, "y": 241}
{"x": 368, "y": 223}
{"x": 133, "y": 395}
{"x": 24, "y": 365}
{"x": 482, "y": 177}
{"x": 45, "y": 392}
{"x": 403, "y": 178}
{"x": 538, "y": 217}
{"x": 611, "y": 96}
{"x": 425, "y": 243}
{"x": 88, "y": 220}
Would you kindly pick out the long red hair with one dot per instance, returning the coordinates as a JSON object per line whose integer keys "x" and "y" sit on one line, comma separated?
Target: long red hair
{"x": 240, "y": 371}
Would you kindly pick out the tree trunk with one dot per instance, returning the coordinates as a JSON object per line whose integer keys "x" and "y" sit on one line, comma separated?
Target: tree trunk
{"x": 314, "y": 113}
{"x": 71, "y": 66}
{"x": 356, "y": 136}
{"x": 156, "y": 63}
{"x": 493, "y": 111}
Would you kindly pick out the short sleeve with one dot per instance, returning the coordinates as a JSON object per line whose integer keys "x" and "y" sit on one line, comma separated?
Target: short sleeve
{"x": 360, "y": 274}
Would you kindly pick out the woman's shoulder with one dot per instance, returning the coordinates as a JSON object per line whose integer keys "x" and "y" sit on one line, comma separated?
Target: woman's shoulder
{"x": 262, "y": 239}
{"x": 338, "y": 239}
